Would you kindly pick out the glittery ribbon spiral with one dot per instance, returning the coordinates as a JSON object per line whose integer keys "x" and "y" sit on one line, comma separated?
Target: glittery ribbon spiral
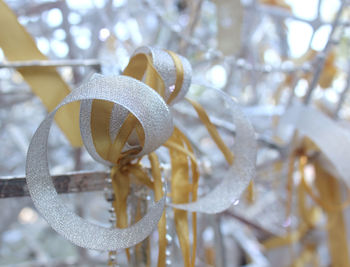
{"x": 140, "y": 99}
{"x": 120, "y": 90}
{"x": 164, "y": 65}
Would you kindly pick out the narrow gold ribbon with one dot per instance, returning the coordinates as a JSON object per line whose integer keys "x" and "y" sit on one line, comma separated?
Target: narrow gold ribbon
{"x": 158, "y": 192}
{"x": 308, "y": 255}
{"x": 250, "y": 193}
{"x": 140, "y": 67}
{"x": 330, "y": 200}
{"x": 212, "y": 131}
{"x": 183, "y": 161}
{"x": 195, "y": 180}
{"x": 329, "y": 190}
{"x": 45, "y": 82}
{"x": 180, "y": 176}
{"x": 180, "y": 194}
{"x": 308, "y": 215}
{"x": 179, "y": 76}
{"x": 120, "y": 184}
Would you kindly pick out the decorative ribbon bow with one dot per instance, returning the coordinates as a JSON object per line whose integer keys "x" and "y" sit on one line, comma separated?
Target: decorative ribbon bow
{"x": 122, "y": 119}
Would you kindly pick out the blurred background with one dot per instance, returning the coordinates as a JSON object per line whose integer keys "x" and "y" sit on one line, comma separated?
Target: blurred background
{"x": 264, "y": 53}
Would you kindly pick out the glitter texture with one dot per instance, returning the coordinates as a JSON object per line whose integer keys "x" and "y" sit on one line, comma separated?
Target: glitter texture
{"x": 154, "y": 116}
{"x": 139, "y": 99}
{"x": 240, "y": 173}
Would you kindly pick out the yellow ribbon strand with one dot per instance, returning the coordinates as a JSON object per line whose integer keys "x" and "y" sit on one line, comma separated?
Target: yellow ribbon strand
{"x": 179, "y": 148}
{"x": 324, "y": 204}
{"x": 100, "y": 119}
{"x": 141, "y": 176}
{"x": 110, "y": 261}
{"x": 179, "y": 194}
{"x": 122, "y": 176}
{"x": 158, "y": 193}
{"x": 308, "y": 255}
{"x": 250, "y": 193}
{"x": 331, "y": 201}
{"x": 120, "y": 184}
{"x": 172, "y": 145}
{"x": 179, "y": 75}
{"x": 212, "y": 131}
{"x": 140, "y": 65}
{"x": 142, "y": 250}
{"x": 308, "y": 216}
{"x": 195, "y": 180}
{"x": 122, "y": 137}
{"x": 183, "y": 160}
{"x": 286, "y": 240}
{"x": 289, "y": 185}
{"x": 304, "y": 212}
{"x": 303, "y": 160}
{"x": 329, "y": 190}
{"x": 45, "y": 82}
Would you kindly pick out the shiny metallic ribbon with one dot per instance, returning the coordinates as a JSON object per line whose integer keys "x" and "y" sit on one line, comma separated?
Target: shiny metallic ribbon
{"x": 130, "y": 95}
{"x": 45, "y": 82}
{"x": 240, "y": 172}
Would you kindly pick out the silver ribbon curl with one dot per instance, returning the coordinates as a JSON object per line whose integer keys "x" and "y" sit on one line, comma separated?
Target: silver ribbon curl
{"x": 240, "y": 172}
{"x": 130, "y": 95}
{"x": 153, "y": 115}
{"x": 165, "y": 66}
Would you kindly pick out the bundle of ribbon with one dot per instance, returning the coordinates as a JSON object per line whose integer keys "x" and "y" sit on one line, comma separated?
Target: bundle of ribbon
{"x": 316, "y": 145}
{"x": 123, "y": 119}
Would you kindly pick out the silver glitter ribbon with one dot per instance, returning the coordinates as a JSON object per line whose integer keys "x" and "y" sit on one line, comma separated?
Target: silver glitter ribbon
{"x": 165, "y": 66}
{"x": 152, "y": 112}
{"x": 130, "y": 95}
{"x": 239, "y": 173}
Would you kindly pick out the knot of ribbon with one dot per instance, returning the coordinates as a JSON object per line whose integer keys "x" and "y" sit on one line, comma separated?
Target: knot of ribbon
{"x": 111, "y": 132}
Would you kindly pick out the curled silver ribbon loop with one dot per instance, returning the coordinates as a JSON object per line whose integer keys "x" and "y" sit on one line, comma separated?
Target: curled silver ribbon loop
{"x": 142, "y": 101}
{"x": 154, "y": 116}
{"x": 165, "y": 66}
{"x": 239, "y": 174}
{"x": 131, "y": 95}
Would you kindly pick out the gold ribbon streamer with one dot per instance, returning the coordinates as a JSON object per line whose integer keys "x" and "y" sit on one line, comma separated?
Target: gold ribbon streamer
{"x": 329, "y": 199}
{"x": 212, "y": 131}
{"x": 180, "y": 176}
{"x": 120, "y": 184}
{"x": 329, "y": 190}
{"x": 195, "y": 179}
{"x": 183, "y": 160}
{"x": 308, "y": 255}
{"x": 180, "y": 194}
{"x": 140, "y": 66}
{"x": 45, "y": 82}
{"x": 158, "y": 192}
{"x": 308, "y": 215}
{"x": 250, "y": 193}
